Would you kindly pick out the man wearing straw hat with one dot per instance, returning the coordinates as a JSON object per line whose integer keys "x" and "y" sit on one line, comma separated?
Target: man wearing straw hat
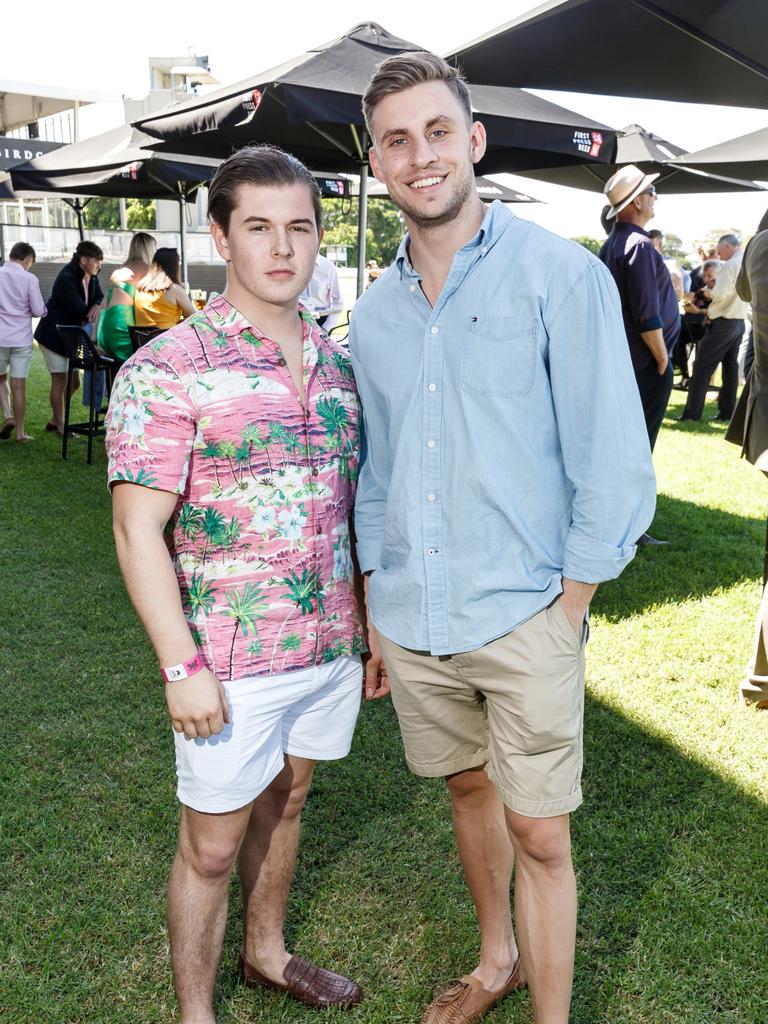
{"x": 648, "y": 301}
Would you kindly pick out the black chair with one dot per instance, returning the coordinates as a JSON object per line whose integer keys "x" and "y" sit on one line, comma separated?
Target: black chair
{"x": 141, "y": 335}
{"x": 82, "y": 354}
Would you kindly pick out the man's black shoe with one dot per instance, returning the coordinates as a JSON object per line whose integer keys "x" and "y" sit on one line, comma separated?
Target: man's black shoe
{"x": 684, "y": 419}
{"x": 647, "y": 540}
{"x": 720, "y": 419}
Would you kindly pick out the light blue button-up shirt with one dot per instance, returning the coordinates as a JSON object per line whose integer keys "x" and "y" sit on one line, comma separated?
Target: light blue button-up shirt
{"x": 505, "y": 445}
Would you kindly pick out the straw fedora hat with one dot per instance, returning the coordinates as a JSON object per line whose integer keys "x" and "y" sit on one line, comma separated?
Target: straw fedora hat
{"x": 625, "y": 185}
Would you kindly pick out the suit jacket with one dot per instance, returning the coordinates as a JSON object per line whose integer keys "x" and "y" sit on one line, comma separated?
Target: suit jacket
{"x": 749, "y": 426}
{"x": 67, "y": 305}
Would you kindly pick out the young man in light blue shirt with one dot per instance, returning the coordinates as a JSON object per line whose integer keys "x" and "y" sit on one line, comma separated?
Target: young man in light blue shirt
{"x": 508, "y": 472}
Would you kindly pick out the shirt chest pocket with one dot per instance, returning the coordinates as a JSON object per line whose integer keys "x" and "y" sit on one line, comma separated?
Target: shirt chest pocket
{"x": 498, "y": 355}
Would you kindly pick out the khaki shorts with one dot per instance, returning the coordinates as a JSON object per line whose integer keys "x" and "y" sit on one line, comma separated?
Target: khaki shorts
{"x": 55, "y": 362}
{"x": 515, "y": 705}
{"x": 16, "y": 358}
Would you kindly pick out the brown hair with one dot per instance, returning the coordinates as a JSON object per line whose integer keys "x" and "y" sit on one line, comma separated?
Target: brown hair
{"x": 163, "y": 272}
{"x": 89, "y": 250}
{"x": 404, "y": 70}
{"x": 22, "y": 251}
{"x": 258, "y": 165}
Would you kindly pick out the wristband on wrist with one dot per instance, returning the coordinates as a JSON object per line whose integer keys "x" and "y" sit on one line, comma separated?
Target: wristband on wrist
{"x": 183, "y": 670}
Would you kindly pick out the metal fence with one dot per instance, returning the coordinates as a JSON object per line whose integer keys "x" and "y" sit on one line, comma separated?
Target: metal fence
{"x": 52, "y": 244}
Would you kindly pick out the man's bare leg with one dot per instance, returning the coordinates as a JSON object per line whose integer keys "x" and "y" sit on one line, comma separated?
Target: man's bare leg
{"x": 545, "y": 909}
{"x": 19, "y": 394}
{"x": 486, "y": 856}
{"x": 197, "y": 905}
{"x": 58, "y": 396}
{"x": 5, "y": 398}
{"x": 267, "y": 862}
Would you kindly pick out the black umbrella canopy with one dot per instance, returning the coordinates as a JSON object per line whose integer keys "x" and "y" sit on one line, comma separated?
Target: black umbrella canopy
{"x": 746, "y": 155}
{"x": 122, "y": 163}
{"x": 488, "y": 191}
{"x": 310, "y": 106}
{"x": 710, "y": 51}
{"x": 652, "y": 154}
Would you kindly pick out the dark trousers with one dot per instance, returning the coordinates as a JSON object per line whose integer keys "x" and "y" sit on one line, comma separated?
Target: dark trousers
{"x": 720, "y": 344}
{"x": 655, "y": 389}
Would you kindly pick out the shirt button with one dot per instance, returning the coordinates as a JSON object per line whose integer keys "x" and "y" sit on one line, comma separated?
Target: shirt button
{"x": 483, "y": 251}
{"x": 432, "y": 551}
{"x": 281, "y": 362}
{"x": 431, "y": 497}
{"x": 434, "y": 329}
{"x": 315, "y": 471}
{"x": 319, "y": 529}
{"x": 430, "y": 443}
{"x": 433, "y": 387}
{"x": 412, "y": 288}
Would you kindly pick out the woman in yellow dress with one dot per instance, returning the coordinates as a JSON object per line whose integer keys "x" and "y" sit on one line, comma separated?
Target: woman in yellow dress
{"x": 160, "y": 300}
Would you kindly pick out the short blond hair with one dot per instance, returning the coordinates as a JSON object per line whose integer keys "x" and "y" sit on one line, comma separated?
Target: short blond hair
{"x": 404, "y": 70}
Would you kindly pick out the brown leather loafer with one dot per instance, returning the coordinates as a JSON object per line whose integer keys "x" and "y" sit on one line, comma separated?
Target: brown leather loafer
{"x": 466, "y": 1001}
{"x": 308, "y": 983}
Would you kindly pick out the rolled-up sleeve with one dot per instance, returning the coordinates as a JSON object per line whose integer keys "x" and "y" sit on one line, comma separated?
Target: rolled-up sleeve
{"x": 602, "y": 432}
{"x": 373, "y": 482}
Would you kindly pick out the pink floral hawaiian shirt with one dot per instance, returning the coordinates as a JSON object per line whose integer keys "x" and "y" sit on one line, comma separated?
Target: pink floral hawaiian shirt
{"x": 260, "y": 533}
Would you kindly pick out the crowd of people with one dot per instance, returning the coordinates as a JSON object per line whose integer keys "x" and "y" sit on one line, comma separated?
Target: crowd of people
{"x": 237, "y": 468}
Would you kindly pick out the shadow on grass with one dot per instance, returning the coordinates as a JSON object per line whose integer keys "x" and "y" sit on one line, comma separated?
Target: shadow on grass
{"x": 708, "y": 549}
{"x": 672, "y": 879}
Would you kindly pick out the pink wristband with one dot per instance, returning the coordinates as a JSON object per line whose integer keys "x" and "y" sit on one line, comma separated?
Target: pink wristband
{"x": 184, "y": 670}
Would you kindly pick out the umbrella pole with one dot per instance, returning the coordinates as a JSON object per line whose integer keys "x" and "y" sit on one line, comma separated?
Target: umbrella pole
{"x": 183, "y": 240}
{"x": 362, "y": 226}
{"x": 79, "y": 207}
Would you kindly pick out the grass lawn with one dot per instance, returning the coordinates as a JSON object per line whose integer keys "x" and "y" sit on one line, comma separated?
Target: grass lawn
{"x": 671, "y": 846}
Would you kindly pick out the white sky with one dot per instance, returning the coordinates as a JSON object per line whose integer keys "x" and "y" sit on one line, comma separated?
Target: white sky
{"x": 105, "y": 49}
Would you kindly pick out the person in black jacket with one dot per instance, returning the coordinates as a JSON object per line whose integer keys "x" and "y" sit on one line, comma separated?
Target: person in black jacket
{"x": 75, "y": 299}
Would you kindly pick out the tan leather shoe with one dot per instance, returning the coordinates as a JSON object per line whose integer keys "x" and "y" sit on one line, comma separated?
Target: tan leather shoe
{"x": 306, "y": 982}
{"x": 466, "y": 1001}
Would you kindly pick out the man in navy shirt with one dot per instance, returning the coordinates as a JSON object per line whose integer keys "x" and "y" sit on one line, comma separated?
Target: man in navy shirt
{"x": 649, "y": 305}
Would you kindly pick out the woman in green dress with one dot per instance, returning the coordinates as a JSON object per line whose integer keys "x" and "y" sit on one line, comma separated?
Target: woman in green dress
{"x": 117, "y": 314}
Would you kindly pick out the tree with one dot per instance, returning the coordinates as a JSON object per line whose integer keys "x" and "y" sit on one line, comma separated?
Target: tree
{"x": 104, "y": 214}
{"x": 714, "y": 235}
{"x": 672, "y": 247}
{"x": 140, "y": 214}
{"x": 589, "y": 243}
{"x": 385, "y": 228}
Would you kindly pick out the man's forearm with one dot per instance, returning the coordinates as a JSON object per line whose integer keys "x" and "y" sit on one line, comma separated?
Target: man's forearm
{"x": 154, "y": 591}
{"x": 655, "y": 342}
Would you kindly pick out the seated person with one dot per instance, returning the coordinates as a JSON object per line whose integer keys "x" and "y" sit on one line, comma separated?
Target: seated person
{"x": 160, "y": 300}
{"x": 117, "y": 314}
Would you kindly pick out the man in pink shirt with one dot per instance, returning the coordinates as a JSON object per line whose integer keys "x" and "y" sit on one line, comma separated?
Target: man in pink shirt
{"x": 20, "y": 300}
{"x": 233, "y": 444}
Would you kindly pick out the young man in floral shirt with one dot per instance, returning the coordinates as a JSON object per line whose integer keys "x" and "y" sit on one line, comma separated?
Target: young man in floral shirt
{"x": 233, "y": 445}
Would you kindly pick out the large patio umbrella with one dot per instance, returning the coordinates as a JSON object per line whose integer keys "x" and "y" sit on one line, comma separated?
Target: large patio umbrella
{"x": 488, "y": 190}
{"x": 122, "y": 163}
{"x": 310, "y": 106}
{"x": 653, "y": 155}
{"x": 705, "y": 52}
{"x": 747, "y": 154}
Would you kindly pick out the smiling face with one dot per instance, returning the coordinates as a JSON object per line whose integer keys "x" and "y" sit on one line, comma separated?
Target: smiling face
{"x": 424, "y": 151}
{"x": 270, "y": 246}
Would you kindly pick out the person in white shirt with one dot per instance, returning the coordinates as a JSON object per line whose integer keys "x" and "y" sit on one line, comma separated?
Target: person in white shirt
{"x": 322, "y": 296}
{"x": 722, "y": 337}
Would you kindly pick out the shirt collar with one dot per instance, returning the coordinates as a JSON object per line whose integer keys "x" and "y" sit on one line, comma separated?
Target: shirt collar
{"x": 495, "y": 222}
{"x": 226, "y": 320}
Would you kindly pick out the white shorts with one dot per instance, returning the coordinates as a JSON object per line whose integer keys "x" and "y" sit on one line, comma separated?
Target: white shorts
{"x": 18, "y": 358}
{"x": 309, "y": 713}
{"x": 54, "y": 362}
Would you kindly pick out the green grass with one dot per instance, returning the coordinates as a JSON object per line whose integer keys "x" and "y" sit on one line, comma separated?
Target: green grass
{"x": 670, "y": 846}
